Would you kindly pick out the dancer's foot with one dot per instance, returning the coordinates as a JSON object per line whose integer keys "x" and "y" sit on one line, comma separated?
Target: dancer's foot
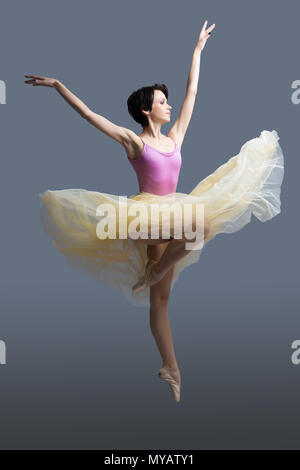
{"x": 174, "y": 372}
{"x": 172, "y": 376}
{"x": 151, "y": 276}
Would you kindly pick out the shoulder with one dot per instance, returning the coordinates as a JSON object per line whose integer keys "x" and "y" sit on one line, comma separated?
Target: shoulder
{"x": 133, "y": 144}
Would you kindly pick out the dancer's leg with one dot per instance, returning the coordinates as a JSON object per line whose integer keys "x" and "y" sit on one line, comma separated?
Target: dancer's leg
{"x": 175, "y": 251}
{"x": 159, "y": 321}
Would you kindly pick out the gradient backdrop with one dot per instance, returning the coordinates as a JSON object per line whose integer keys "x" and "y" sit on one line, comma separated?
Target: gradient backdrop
{"x": 82, "y": 364}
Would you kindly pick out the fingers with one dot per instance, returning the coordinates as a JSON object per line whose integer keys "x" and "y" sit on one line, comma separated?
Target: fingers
{"x": 204, "y": 26}
{"x": 35, "y": 80}
{"x": 209, "y": 29}
{"x": 34, "y": 76}
{"x": 31, "y": 81}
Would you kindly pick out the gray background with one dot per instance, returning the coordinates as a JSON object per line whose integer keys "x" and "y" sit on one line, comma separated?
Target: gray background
{"x": 82, "y": 364}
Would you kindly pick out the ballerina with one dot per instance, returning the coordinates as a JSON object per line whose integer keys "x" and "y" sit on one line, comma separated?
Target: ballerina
{"x": 145, "y": 269}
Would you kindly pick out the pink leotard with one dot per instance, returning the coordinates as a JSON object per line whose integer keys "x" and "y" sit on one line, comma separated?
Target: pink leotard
{"x": 157, "y": 171}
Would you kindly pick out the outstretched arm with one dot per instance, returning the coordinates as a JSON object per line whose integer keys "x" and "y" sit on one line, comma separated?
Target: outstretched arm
{"x": 181, "y": 124}
{"x": 73, "y": 100}
{"x": 192, "y": 84}
{"x": 76, "y": 103}
{"x": 118, "y": 133}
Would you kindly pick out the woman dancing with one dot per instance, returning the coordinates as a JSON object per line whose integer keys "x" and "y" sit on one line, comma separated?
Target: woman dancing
{"x": 145, "y": 269}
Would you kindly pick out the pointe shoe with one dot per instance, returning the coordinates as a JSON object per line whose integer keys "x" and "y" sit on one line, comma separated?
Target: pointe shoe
{"x": 143, "y": 282}
{"x": 175, "y": 387}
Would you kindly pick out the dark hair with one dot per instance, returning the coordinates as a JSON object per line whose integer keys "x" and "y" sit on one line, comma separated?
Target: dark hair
{"x": 143, "y": 99}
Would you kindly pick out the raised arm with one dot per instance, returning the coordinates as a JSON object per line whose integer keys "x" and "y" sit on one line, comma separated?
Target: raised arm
{"x": 118, "y": 133}
{"x": 180, "y": 126}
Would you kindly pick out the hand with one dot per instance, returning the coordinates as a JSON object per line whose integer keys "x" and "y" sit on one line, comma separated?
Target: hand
{"x": 204, "y": 35}
{"x": 37, "y": 80}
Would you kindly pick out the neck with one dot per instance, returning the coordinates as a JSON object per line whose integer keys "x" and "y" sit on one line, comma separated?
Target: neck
{"x": 153, "y": 133}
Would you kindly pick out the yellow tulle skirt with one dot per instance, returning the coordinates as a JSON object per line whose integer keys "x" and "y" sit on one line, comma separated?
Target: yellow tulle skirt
{"x": 247, "y": 183}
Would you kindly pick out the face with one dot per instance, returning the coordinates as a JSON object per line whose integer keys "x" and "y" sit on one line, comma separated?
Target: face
{"x": 161, "y": 110}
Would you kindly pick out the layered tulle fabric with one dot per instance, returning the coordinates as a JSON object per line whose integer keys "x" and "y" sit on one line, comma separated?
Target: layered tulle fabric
{"x": 248, "y": 183}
